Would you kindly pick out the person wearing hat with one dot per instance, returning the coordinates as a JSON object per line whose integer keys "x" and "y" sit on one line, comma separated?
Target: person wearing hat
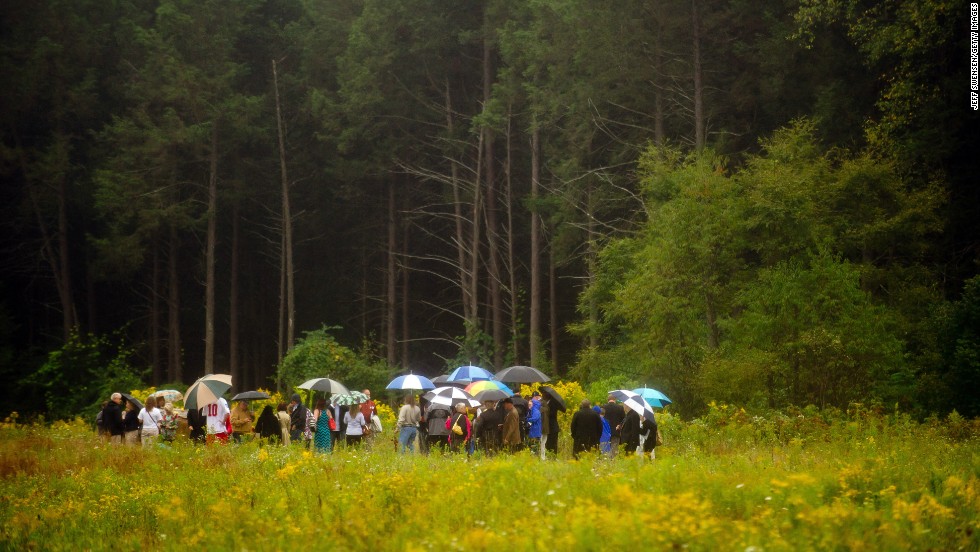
{"x": 511, "y": 427}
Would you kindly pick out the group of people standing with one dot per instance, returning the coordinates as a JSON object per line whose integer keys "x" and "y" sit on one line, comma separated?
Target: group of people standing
{"x": 507, "y": 425}
{"x": 121, "y": 422}
{"x": 503, "y": 426}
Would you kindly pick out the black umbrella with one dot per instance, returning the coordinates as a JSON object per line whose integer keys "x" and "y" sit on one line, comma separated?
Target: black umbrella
{"x": 250, "y": 396}
{"x": 521, "y": 374}
{"x": 136, "y": 402}
{"x": 555, "y": 397}
{"x": 492, "y": 395}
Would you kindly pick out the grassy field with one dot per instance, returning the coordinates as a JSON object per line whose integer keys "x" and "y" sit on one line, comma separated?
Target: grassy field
{"x": 728, "y": 481}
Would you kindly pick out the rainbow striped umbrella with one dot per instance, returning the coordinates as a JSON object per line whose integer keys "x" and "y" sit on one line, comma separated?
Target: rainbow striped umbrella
{"x": 485, "y": 385}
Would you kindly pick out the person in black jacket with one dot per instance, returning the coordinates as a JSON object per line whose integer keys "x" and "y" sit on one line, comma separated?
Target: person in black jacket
{"x": 586, "y": 429}
{"x": 614, "y": 415}
{"x": 649, "y": 429}
{"x": 112, "y": 418}
{"x": 631, "y": 432}
{"x": 197, "y": 422}
{"x": 267, "y": 426}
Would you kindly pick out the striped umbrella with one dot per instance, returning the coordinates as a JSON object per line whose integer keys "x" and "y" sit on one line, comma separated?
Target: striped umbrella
{"x": 326, "y": 385}
{"x": 206, "y": 390}
{"x": 411, "y": 382}
{"x": 469, "y": 373}
{"x": 169, "y": 395}
{"x": 450, "y": 397}
{"x": 634, "y": 402}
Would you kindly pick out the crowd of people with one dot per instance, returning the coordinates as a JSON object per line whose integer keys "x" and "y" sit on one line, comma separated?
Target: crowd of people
{"x": 505, "y": 426}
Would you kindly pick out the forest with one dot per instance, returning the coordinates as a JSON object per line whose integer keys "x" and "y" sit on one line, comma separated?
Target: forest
{"x": 766, "y": 203}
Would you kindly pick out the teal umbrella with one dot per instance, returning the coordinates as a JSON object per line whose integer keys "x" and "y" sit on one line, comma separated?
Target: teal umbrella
{"x": 653, "y": 397}
{"x": 349, "y": 399}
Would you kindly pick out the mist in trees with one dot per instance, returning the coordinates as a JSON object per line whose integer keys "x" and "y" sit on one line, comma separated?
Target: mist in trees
{"x": 768, "y": 203}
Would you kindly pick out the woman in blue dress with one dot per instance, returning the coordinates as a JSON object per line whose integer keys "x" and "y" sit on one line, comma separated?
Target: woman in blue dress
{"x": 322, "y": 418}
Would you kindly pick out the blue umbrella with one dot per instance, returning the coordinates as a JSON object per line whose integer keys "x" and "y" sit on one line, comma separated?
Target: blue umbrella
{"x": 411, "y": 382}
{"x": 469, "y": 373}
{"x": 653, "y": 397}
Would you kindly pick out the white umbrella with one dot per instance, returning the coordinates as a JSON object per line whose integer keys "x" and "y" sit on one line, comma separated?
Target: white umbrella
{"x": 450, "y": 397}
{"x": 634, "y": 402}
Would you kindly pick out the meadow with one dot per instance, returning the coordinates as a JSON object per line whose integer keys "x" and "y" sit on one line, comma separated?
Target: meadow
{"x": 805, "y": 480}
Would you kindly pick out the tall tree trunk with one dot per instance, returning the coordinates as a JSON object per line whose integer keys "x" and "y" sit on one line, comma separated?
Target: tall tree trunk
{"x": 281, "y": 328}
{"x": 155, "y": 333}
{"x": 475, "y": 240}
{"x": 405, "y": 272}
{"x": 699, "y": 123}
{"x": 591, "y": 256}
{"x": 511, "y": 268}
{"x": 391, "y": 279}
{"x": 175, "y": 361}
{"x": 534, "y": 329}
{"x": 287, "y": 224}
{"x": 212, "y": 239}
{"x": 553, "y": 307}
{"x": 237, "y": 373}
{"x": 658, "y": 85}
{"x": 493, "y": 230}
{"x": 461, "y": 254}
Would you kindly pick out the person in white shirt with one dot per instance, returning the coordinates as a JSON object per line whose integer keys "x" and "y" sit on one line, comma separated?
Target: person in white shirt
{"x": 408, "y": 424}
{"x": 355, "y": 425}
{"x": 149, "y": 417}
{"x": 218, "y": 414}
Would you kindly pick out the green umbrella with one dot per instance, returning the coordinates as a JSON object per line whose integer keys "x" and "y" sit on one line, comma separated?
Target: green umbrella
{"x": 349, "y": 399}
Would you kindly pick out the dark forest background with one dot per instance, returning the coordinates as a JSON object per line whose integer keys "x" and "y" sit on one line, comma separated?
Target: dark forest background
{"x": 763, "y": 202}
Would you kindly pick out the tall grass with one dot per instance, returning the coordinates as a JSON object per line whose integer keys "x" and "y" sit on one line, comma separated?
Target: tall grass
{"x": 791, "y": 481}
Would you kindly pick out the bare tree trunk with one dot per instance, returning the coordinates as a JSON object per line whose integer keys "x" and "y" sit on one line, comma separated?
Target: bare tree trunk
{"x": 468, "y": 314}
{"x": 155, "y": 333}
{"x": 535, "y": 321}
{"x": 287, "y": 224}
{"x": 405, "y": 272}
{"x": 391, "y": 279}
{"x": 699, "y": 124}
{"x": 475, "y": 241}
{"x": 511, "y": 268}
{"x": 175, "y": 361}
{"x": 493, "y": 230}
{"x": 553, "y": 307}
{"x": 591, "y": 266}
{"x": 658, "y": 89}
{"x": 237, "y": 373}
{"x": 281, "y": 343}
{"x": 212, "y": 239}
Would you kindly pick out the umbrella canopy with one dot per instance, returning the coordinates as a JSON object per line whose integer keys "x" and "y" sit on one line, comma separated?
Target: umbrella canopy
{"x": 136, "y": 402}
{"x": 169, "y": 395}
{"x": 250, "y": 396}
{"x": 653, "y": 397}
{"x": 634, "y": 402}
{"x": 486, "y": 385}
{"x": 469, "y": 373}
{"x": 411, "y": 382}
{"x": 443, "y": 380}
{"x": 554, "y": 396}
{"x": 350, "y": 398}
{"x": 522, "y": 374}
{"x": 450, "y": 397}
{"x": 493, "y": 395}
{"x": 206, "y": 390}
{"x": 326, "y": 385}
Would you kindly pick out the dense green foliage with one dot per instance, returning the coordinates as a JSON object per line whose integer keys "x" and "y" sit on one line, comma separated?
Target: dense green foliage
{"x": 765, "y": 202}
{"x": 318, "y": 355}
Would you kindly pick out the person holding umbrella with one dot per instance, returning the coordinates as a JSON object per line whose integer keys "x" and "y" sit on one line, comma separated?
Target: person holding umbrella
{"x": 356, "y": 425}
{"x": 241, "y": 421}
{"x": 322, "y": 419}
{"x": 614, "y": 415}
{"x": 534, "y": 423}
{"x": 299, "y": 427}
{"x": 218, "y": 418}
{"x": 631, "y": 432}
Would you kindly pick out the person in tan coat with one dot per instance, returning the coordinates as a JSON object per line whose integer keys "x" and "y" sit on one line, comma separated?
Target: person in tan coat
{"x": 241, "y": 421}
{"x": 511, "y": 428}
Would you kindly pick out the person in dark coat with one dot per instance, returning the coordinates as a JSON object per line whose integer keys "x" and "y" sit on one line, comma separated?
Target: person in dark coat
{"x": 297, "y": 419}
{"x": 438, "y": 435}
{"x": 631, "y": 432}
{"x": 267, "y": 426}
{"x": 197, "y": 422}
{"x": 487, "y": 428}
{"x": 551, "y": 443}
{"x": 586, "y": 429}
{"x": 113, "y": 420}
{"x": 649, "y": 429}
{"x": 614, "y": 415}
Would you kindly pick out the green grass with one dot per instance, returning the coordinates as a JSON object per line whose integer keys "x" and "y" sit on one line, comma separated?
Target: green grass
{"x": 724, "y": 482}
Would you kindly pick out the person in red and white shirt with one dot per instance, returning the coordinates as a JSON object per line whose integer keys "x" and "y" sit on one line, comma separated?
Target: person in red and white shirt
{"x": 218, "y": 415}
